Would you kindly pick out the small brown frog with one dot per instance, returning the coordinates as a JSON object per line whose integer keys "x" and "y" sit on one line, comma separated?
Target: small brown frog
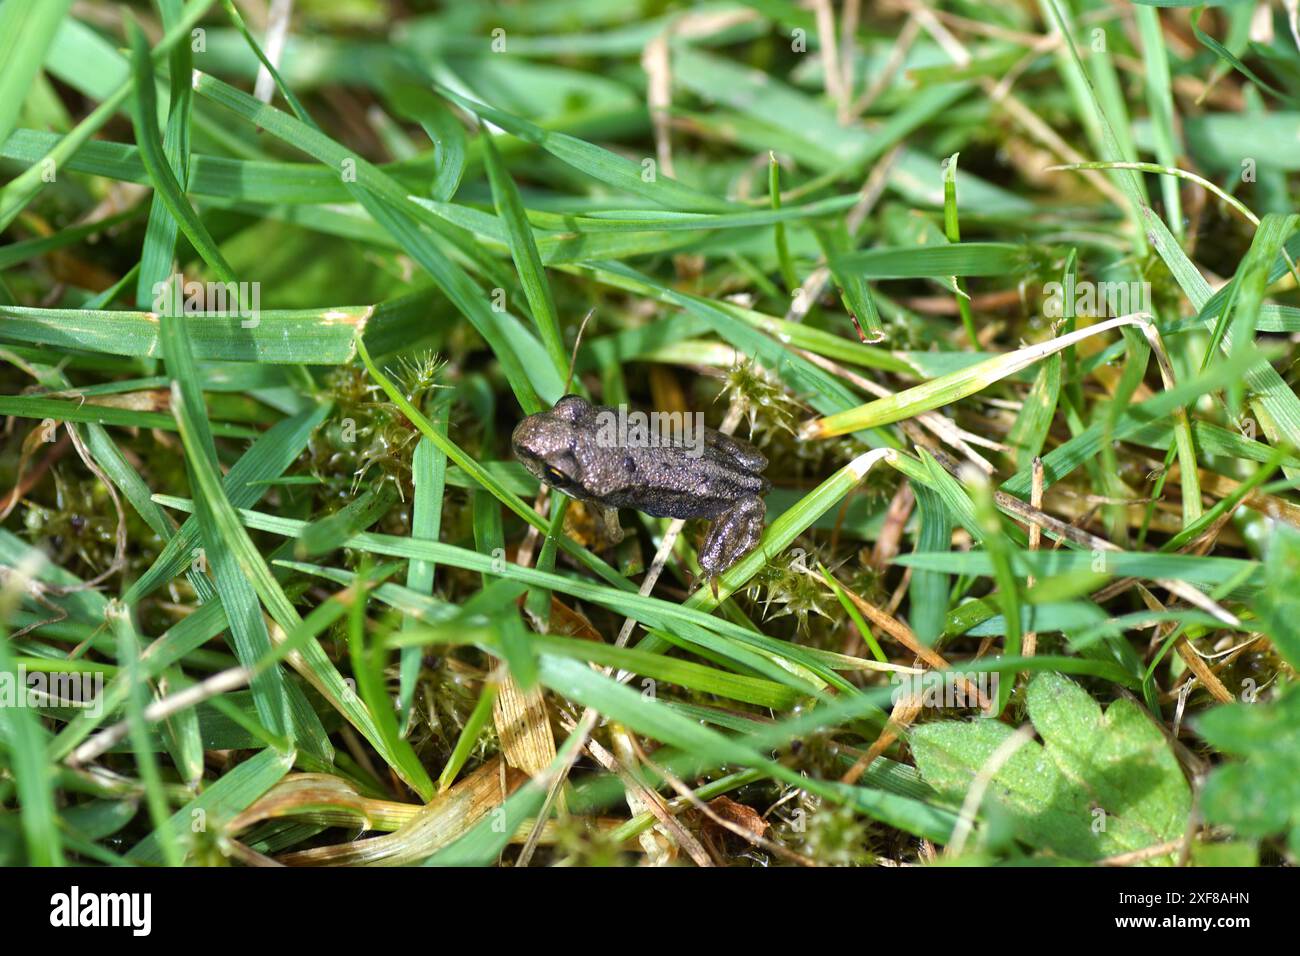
{"x": 590, "y": 453}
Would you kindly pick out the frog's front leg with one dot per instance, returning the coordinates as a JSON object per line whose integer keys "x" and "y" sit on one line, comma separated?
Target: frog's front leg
{"x": 732, "y": 535}
{"x": 605, "y": 519}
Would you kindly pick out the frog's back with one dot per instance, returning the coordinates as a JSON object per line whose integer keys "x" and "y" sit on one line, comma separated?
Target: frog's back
{"x": 675, "y": 481}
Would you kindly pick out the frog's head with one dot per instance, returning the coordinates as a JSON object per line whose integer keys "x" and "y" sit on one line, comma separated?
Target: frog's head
{"x": 548, "y": 443}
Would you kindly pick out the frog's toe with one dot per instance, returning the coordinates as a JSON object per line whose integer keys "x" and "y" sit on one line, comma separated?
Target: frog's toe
{"x": 732, "y": 535}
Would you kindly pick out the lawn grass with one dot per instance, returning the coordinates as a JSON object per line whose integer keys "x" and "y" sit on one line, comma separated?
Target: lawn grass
{"x": 1005, "y": 293}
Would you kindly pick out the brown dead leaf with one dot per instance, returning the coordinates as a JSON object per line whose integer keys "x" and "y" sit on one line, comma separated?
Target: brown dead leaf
{"x": 571, "y": 622}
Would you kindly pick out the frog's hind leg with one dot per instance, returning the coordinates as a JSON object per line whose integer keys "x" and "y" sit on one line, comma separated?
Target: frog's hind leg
{"x": 732, "y": 535}
{"x": 739, "y": 450}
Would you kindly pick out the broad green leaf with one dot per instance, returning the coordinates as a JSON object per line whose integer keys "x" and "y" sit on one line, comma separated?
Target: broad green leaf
{"x": 1257, "y": 794}
{"x": 1099, "y": 784}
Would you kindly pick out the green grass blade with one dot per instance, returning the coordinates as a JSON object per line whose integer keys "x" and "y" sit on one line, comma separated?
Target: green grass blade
{"x": 24, "y": 744}
{"x": 26, "y": 29}
{"x": 20, "y": 190}
{"x": 221, "y": 801}
{"x": 601, "y": 164}
{"x": 156, "y": 164}
{"x": 523, "y": 248}
{"x": 160, "y": 233}
{"x": 137, "y": 695}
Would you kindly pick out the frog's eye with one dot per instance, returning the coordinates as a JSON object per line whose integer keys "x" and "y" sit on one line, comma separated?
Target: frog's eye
{"x": 556, "y": 477}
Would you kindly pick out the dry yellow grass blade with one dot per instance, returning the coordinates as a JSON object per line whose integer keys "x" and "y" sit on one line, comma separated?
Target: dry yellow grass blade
{"x": 524, "y": 726}
{"x": 1195, "y": 663}
{"x": 904, "y": 635}
{"x": 325, "y": 798}
{"x": 1221, "y": 486}
{"x": 949, "y": 388}
{"x": 447, "y": 817}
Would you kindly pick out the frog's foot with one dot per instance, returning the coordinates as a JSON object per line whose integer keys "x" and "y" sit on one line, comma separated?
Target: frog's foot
{"x": 692, "y": 582}
{"x": 732, "y": 535}
{"x": 606, "y": 520}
